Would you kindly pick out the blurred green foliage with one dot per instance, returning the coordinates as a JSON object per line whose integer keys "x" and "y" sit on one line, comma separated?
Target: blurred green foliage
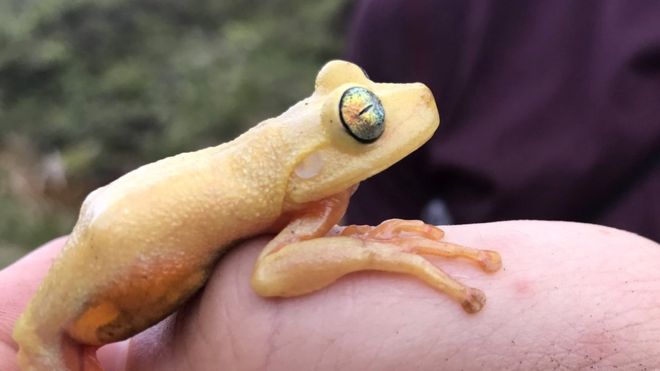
{"x": 90, "y": 89}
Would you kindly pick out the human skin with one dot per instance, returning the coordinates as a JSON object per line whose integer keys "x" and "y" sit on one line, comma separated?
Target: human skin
{"x": 569, "y": 296}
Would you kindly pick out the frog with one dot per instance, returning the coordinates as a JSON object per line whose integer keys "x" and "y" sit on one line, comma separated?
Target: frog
{"x": 147, "y": 242}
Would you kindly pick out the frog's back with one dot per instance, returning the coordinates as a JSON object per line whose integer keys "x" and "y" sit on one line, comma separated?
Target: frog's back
{"x": 198, "y": 200}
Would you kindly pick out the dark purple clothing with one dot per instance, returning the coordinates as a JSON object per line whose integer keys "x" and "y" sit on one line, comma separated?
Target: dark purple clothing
{"x": 549, "y": 109}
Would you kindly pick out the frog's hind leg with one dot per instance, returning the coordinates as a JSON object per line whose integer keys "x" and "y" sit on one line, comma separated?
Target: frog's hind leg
{"x": 44, "y": 346}
{"x": 43, "y": 342}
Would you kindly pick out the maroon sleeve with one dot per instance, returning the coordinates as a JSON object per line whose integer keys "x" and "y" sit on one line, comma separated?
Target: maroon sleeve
{"x": 550, "y": 110}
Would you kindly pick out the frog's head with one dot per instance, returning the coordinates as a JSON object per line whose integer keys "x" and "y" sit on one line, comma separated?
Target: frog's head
{"x": 352, "y": 128}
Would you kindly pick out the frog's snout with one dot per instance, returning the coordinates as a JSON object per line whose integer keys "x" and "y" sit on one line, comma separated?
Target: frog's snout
{"x": 411, "y": 112}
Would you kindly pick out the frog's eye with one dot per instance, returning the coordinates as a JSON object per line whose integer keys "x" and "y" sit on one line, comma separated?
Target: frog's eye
{"x": 362, "y": 114}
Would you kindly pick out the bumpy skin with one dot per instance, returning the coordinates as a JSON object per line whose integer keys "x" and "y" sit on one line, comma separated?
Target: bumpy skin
{"x": 146, "y": 242}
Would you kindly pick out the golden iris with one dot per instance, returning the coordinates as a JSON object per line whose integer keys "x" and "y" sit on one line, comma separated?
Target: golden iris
{"x": 362, "y": 114}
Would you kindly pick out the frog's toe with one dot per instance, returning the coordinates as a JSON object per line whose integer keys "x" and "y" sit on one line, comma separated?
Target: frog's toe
{"x": 474, "y": 300}
{"x": 416, "y": 237}
{"x": 395, "y": 228}
{"x": 490, "y": 261}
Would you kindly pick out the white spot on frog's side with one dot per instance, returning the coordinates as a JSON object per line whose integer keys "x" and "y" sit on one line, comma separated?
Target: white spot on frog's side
{"x": 310, "y": 167}
{"x": 98, "y": 206}
{"x": 99, "y": 203}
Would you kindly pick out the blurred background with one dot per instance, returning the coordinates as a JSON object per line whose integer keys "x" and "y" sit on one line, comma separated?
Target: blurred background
{"x": 550, "y": 110}
{"x": 91, "y": 89}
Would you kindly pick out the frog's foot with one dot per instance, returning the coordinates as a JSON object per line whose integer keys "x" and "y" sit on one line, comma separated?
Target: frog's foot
{"x": 417, "y": 237}
{"x": 310, "y": 265}
{"x": 309, "y": 254}
{"x": 394, "y": 228}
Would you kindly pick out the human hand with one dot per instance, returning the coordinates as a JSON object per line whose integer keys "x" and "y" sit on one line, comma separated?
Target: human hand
{"x": 569, "y": 296}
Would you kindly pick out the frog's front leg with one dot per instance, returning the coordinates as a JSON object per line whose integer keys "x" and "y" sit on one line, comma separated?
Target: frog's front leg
{"x": 291, "y": 266}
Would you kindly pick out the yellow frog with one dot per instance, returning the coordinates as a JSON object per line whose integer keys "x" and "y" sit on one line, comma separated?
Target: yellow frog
{"x": 146, "y": 242}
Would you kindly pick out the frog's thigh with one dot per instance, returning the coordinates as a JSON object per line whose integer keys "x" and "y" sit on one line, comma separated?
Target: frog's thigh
{"x": 136, "y": 300}
{"x": 310, "y": 265}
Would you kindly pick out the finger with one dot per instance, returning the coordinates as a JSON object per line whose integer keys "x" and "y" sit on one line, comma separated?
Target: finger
{"x": 570, "y": 294}
{"x": 19, "y": 281}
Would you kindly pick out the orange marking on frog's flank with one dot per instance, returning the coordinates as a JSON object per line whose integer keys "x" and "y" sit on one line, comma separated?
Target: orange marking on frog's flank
{"x": 84, "y": 328}
{"x": 146, "y": 294}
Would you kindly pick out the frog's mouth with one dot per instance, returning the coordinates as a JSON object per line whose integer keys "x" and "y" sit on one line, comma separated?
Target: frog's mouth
{"x": 411, "y": 120}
